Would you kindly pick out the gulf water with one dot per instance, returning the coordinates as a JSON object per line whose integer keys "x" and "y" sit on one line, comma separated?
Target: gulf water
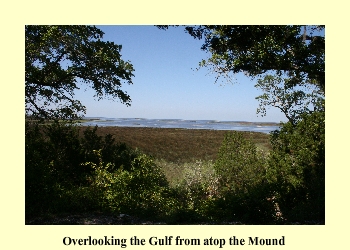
{"x": 179, "y": 123}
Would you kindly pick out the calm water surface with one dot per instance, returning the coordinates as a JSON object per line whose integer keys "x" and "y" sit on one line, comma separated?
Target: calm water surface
{"x": 179, "y": 123}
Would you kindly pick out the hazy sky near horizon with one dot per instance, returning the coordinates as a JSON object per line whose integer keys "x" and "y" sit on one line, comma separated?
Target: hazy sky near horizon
{"x": 168, "y": 86}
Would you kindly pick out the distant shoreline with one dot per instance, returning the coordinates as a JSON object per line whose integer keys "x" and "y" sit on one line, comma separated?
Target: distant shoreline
{"x": 264, "y": 127}
{"x": 88, "y": 119}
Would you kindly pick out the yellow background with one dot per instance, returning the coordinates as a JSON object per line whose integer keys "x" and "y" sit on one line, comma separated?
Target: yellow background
{"x": 15, "y": 14}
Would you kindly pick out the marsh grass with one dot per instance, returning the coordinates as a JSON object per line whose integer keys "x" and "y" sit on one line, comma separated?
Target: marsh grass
{"x": 179, "y": 146}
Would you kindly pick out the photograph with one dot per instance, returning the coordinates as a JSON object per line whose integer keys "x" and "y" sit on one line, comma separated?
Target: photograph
{"x": 175, "y": 125}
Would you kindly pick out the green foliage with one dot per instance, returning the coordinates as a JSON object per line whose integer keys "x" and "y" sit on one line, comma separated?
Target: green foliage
{"x": 138, "y": 191}
{"x": 288, "y": 185}
{"x": 241, "y": 170}
{"x": 58, "y": 57}
{"x": 195, "y": 189}
{"x": 240, "y": 165}
{"x": 298, "y": 51}
{"x": 54, "y": 154}
{"x": 63, "y": 152}
{"x": 66, "y": 172}
{"x": 297, "y": 167}
{"x": 119, "y": 154}
{"x": 38, "y": 184}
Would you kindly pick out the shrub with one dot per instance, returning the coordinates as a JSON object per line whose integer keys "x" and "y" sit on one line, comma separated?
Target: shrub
{"x": 38, "y": 178}
{"x": 69, "y": 173}
{"x": 241, "y": 169}
{"x": 119, "y": 154}
{"x": 240, "y": 165}
{"x": 297, "y": 167}
{"x": 63, "y": 152}
{"x": 139, "y": 191}
{"x": 195, "y": 189}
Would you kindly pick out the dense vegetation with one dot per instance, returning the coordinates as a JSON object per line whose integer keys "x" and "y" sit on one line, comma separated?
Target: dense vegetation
{"x": 74, "y": 170}
{"x": 63, "y": 58}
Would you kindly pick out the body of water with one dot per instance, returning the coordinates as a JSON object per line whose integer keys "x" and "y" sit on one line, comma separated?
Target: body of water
{"x": 179, "y": 123}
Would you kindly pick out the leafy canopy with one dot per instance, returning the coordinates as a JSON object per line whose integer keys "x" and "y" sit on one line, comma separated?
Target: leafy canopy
{"x": 58, "y": 58}
{"x": 296, "y": 50}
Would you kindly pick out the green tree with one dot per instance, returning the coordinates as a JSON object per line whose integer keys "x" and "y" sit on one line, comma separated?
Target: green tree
{"x": 295, "y": 50}
{"x": 297, "y": 167}
{"x": 243, "y": 189}
{"x": 239, "y": 165}
{"x": 59, "y": 58}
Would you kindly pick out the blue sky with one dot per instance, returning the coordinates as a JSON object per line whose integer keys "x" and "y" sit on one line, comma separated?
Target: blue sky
{"x": 166, "y": 84}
